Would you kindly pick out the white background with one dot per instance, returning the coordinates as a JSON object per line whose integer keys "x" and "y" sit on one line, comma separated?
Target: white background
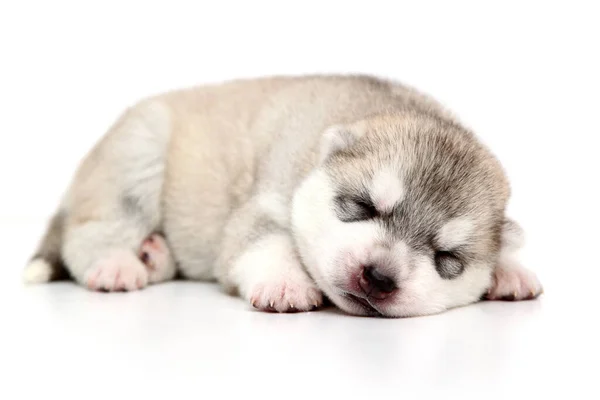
{"x": 523, "y": 75}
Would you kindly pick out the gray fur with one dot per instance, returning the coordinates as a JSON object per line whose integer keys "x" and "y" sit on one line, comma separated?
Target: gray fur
{"x": 448, "y": 174}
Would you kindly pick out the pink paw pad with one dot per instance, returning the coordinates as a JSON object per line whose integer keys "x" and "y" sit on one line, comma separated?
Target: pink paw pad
{"x": 154, "y": 252}
{"x": 156, "y": 256}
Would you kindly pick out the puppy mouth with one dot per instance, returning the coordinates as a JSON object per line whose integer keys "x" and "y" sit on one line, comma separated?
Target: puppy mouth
{"x": 363, "y": 303}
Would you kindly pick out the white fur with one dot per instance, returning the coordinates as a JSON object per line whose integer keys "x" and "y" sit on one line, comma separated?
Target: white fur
{"x": 37, "y": 271}
{"x": 427, "y": 293}
{"x": 147, "y": 131}
{"x": 401, "y": 255}
{"x": 386, "y": 189}
{"x": 513, "y": 237}
{"x": 275, "y": 206}
{"x": 455, "y": 233}
{"x": 269, "y": 275}
{"x": 333, "y": 251}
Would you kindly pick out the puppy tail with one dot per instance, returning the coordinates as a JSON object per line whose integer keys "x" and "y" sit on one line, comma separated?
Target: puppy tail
{"x": 47, "y": 263}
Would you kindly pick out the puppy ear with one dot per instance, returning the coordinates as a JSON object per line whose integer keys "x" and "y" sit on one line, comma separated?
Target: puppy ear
{"x": 513, "y": 236}
{"x": 335, "y": 139}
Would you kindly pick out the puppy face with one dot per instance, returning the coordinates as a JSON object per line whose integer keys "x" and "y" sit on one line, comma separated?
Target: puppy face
{"x": 404, "y": 217}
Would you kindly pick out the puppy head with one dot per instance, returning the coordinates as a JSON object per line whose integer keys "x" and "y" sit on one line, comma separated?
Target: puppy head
{"x": 403, "y": 217}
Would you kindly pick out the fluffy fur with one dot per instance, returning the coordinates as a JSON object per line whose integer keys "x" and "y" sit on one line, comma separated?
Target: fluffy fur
{"x": 286, "y": 189}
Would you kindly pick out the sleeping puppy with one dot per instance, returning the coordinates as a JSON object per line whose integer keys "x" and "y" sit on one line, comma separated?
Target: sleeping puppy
{"x": 289, "y": 189}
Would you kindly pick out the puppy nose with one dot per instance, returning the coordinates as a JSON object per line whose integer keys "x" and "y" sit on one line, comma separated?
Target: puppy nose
{"x": 375, "y": 284}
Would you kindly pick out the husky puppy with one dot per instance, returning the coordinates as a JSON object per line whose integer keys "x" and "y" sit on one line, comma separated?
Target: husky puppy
{"x": 289, "y": 189}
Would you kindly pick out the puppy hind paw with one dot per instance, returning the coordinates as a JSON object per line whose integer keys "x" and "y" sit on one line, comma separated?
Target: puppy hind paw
{"x": 119, "y": 271}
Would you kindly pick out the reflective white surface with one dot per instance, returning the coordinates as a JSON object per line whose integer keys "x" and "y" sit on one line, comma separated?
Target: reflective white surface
{"x": 189, "y": 340}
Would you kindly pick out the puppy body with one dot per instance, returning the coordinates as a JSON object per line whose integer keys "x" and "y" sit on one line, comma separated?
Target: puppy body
{"x": 284, "y": 188}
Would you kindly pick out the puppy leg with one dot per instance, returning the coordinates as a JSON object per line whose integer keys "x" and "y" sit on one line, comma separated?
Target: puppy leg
{"x": 114, "y": 203}
{"x": 511, "y": 281}
{"x": 259, "y": 260}
{"x": 101, "y": 255}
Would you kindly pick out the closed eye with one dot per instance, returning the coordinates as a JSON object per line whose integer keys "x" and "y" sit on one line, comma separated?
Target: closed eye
{"x": 351, "y": 209}
{"x": 448, "y": 264}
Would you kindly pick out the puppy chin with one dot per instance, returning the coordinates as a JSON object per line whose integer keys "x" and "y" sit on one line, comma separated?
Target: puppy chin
{"x": 352, "y": 307}
{"x": 404, "y": 305}
{"x": 339, "y": 297}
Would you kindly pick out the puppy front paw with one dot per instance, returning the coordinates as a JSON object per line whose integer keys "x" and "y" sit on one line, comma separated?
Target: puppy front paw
{"x": 514, "y": 283}
{"x": 285, "y": 295}
{"x": 270, "y": 276}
